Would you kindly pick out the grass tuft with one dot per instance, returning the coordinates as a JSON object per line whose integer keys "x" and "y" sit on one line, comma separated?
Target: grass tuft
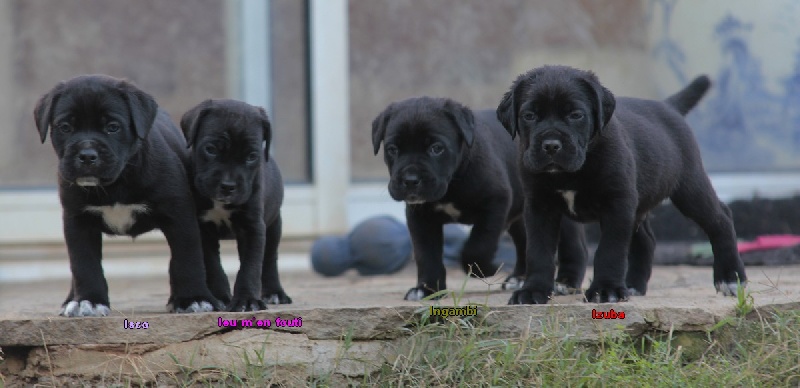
{"x": 460, "y": 353}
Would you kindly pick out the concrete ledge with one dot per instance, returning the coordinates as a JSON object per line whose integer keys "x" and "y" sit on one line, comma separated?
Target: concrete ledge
{"x": 351, "y": 325}
{"x": 363, "y": 324}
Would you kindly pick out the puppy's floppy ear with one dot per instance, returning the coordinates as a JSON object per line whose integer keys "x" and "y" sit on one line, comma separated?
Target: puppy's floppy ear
{"x": 507, "y": 113}
{"x": 463, "y": 118}
{"x": 43, "y": 112}
{"x": 267, "y": 128}
{"x": 379, "y": 127}
{"x": 142, "y": 108}
{"x": 603, "y": 102}
{"x": 191, "y": 120}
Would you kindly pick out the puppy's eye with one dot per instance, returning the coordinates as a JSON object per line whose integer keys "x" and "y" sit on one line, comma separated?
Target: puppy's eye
{"x": 576, "y": 115}
{"x": 112, "y": 127}
{"x": 437, "y": 149}
{"x": 391, "y": 151}
{"x": 529, "y": 116}
{"x": 211, "y": 150}
{"x": 64, "y": 127}
{"x": 252, "y": 157}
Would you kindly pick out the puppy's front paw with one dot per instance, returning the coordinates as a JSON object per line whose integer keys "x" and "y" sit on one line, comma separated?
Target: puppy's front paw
{"x": 527, "y": 296}
{"x": 513, "y": 282}
{"x": 194, "y": 305}
{"x": 419, "y": 293}
{"x": 728, "y": 288}
{"x": 278, "y": 297}
{"x": 240, "y": 304}
{"x": 84, "y": 308}
{"x": 606, "y": 294}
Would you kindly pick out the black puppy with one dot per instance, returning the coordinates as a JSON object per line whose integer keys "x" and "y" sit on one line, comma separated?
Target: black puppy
{"x": 590, "y": 156}
{"x": 452, "y": 165}
{"x": 122, "y": 171}
{"x": 239, "y": 193}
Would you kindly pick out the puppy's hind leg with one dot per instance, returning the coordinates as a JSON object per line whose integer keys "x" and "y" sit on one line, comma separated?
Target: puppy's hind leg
{"x": 640, "y": 259}
{"x": 271, "y": 290}
{"x": 573, "y": 257}
{"x": 697, "y": 200}
{"x": 517, "y": 278}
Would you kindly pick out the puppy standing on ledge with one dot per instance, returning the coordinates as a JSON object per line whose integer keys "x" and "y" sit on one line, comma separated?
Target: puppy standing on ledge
{"x": 121, "y": 171}
{"x": 239, "y": 193}
{"x": 590, "y": 156}
{"x": 452, "y": 165}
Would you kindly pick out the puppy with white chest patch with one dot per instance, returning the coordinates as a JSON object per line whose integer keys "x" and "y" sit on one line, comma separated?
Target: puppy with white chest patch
{"x": 239, "y": 193}
{"x": 122, "y": 171}
{"x": 590, "y": 156}
{"x": 450, "y": 164}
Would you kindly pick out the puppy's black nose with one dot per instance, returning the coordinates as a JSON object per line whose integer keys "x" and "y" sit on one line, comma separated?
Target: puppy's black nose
{"x": 87, "y": 156}
{"x": 551, "y": 146}
{"x": 227, "y": 188}
{"x": 411, "y": 180}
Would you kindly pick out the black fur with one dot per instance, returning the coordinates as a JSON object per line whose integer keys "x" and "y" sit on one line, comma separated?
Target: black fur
{"x": 107, "y": 131}
{"x": 620, "y": 157}
{"x": 440, "y": 153}
{"x": 228, "y": 137}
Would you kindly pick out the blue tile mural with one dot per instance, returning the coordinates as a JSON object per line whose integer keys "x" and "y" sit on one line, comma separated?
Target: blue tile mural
{"x": 742, "y": 125}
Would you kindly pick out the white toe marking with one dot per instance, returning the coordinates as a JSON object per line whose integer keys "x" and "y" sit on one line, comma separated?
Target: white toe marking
{"x": 514, "y": 283}
{"x": 415, "y": 295}
{"x": 728, "y": 289}
{"x": 274, "y": 299}
{"x": 84, "y": 309}
{"x": 218, "y": 215}
{"x": 118, "y": 217}
{"x": 71, "y": 309}
{"x": 569, "y": 198}
{"x": 449, "y": 209}
{"x": 195, "y": 307}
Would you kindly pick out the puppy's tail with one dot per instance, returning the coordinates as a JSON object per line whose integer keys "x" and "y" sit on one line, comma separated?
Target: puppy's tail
{"x": 686, "y": 99}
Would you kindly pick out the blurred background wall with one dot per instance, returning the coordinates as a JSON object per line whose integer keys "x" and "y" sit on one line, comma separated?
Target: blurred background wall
{"x": 471, "y": 50}
{"x": 180, "y": 52}
{"x": 185, "y": 51}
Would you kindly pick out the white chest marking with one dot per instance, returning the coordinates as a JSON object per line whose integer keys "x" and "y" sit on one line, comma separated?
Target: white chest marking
{"x": 118, "y": 217}
{"x": 448, "y": 209}
{"x": 569, "y": 198}
{"x": 218, "y": 215}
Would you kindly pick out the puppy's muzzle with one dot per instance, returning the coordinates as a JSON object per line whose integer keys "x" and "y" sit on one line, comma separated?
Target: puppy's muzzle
{"x": 410, "y": 181}
{"x": 226, "y": 191}
{"x": 414, "y": 186}
{"x": 552, "y": 152}
{"x": 84, "y": 163}
{"x": 87, "y": 156}
{"x": 227, "y": 188}
{"x": 551, "y": 146}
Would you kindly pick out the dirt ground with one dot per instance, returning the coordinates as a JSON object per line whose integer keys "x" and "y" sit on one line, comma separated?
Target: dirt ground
{"x": 148, "y": 295}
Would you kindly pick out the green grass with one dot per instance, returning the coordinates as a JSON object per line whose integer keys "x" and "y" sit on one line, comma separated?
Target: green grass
{"x": 762, "y": 352}
{"x": 744, "y": 300}
{"x": 762, "y": 349}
